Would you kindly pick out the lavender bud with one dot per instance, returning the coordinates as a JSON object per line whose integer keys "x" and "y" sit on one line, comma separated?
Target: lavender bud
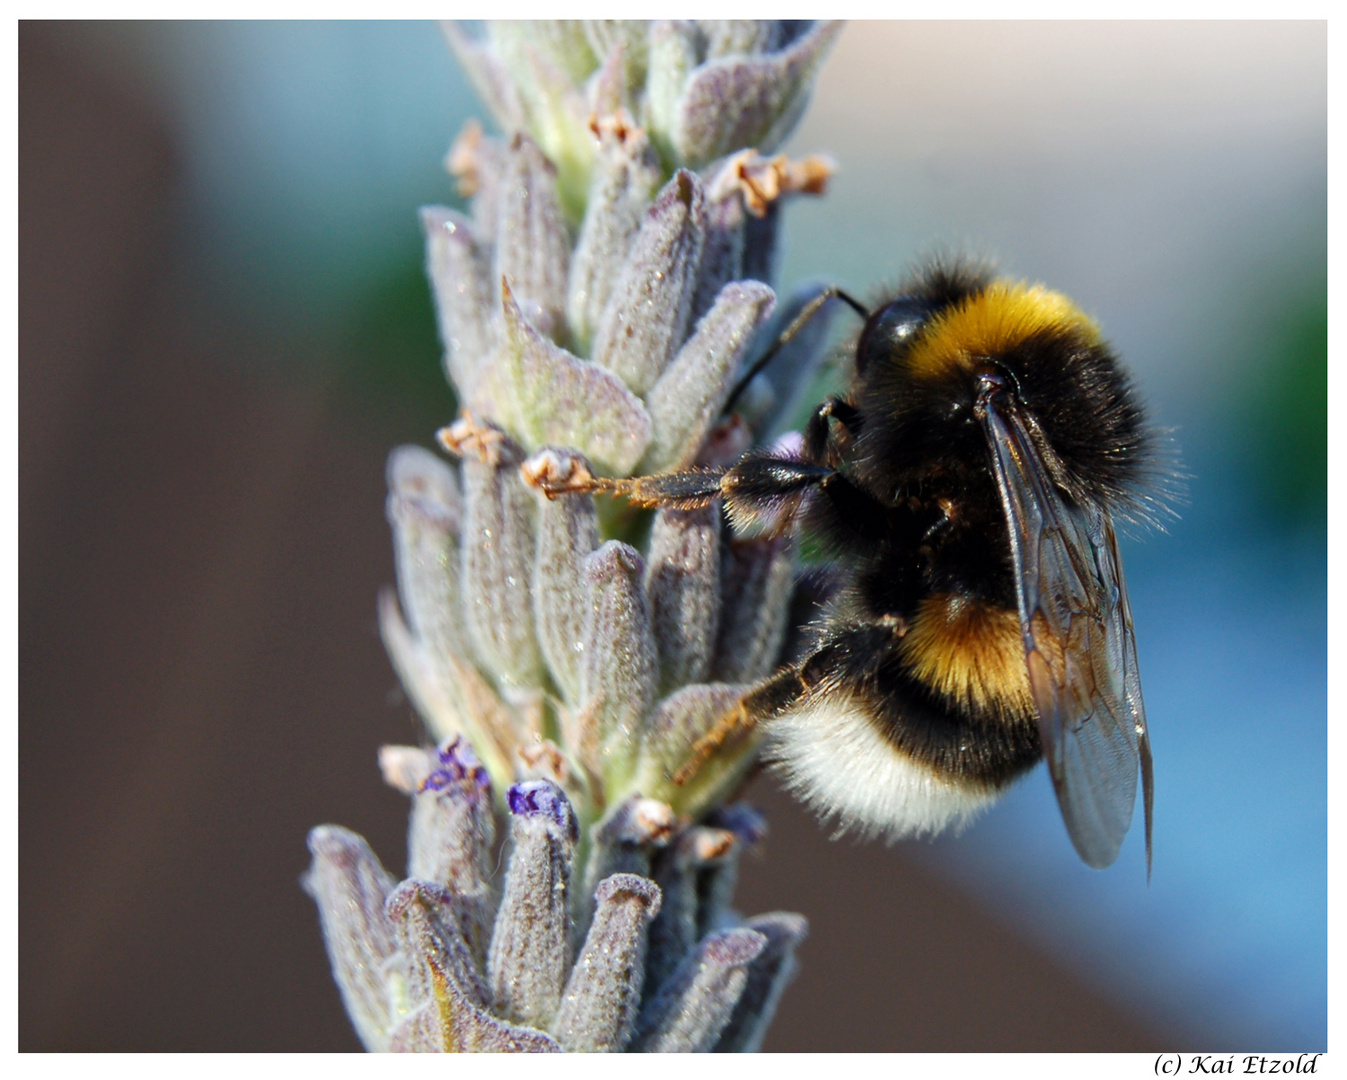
{"x": 350, "y": 888}
{"x": 647, "y": 314}
{"x": 694, "y": 1006}
{"x": 430, "y": 933}
{"x": 682, "y": 588}
{"x": 620, "y": 667}
{"x": 771, "y": 89}
{"x": 673, "y": 55}
{"x": 691, "y": 392}
{"x": 678, "y": 873}
{"x": 670, "y": 734}
{"x": 723, "y": 249}
{"x": 477, "y": 162}
{"x": 547, "y": 395}
{"x": 497, "y": 556}
{"x": 757, "y": 581}
{"x": 624, "y": 178}
{"x": 471, "y": 1030}
{"x": 627, "y": 838}
{"x": 425, "y": 511}
{"x": 451, "y": 835}
{"x": 715, "y": 886}
{"x": 726, "y": 37}
{"x": 459, "y": 277}
{"x": 568, "y": 531}
{"x": 531, "y": 949}
{"x": 630, "y": 36}
{"x": 532, "y": 246}
{"x": 489, "y": 76}
{"x": 599, "y": 1005}
{"x": 768, "y": 976}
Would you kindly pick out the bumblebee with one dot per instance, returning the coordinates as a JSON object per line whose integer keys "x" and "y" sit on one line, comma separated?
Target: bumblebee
{"x": 967, "y": 483}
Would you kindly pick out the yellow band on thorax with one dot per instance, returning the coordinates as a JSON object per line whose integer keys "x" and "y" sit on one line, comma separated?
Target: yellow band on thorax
{"x": 993, "y": 322}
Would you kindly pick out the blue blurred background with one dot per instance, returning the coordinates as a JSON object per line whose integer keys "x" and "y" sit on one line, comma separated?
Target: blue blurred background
{"x": 1171, "y": 177}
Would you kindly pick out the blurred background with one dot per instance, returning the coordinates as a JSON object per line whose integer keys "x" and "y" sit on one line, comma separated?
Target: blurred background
{"x": 224, "y": 328}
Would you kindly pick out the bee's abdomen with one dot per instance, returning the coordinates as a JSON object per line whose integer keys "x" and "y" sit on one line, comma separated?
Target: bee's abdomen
{"x": 969, "y": 654}
{"x": 950, "y": 694}
{"x": 953, "y": 742}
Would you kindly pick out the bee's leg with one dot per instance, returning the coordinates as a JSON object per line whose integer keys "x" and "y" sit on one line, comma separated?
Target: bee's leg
{"x": 773, "y": 695}
{"x": 847, "y": 657}
{"x": 764, "y": 493}
{"x": 761, "y": 492}
{"x": 797, "y": 324}
{"x": 819, "y": 446}
{"x": 554, "y": 475}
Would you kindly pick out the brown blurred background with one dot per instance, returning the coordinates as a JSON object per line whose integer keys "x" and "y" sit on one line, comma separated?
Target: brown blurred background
{"x": 201, "y": 679}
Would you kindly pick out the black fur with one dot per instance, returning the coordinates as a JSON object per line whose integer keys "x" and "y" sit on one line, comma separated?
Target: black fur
{"x": 910, "y": 508}
{"x": 862, "y": 660}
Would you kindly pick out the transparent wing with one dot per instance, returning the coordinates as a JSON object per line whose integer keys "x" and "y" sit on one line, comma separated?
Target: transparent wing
{"x": 1078, "y": 644}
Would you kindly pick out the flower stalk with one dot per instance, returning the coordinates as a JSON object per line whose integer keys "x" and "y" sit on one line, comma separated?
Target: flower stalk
{"x": 596, "y": 307}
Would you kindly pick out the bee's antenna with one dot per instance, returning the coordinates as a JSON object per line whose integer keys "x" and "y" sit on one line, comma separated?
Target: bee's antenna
{"x": 797, "y": 324}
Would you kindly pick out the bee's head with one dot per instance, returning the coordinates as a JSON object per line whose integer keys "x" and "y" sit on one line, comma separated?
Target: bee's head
{"x": 890, "y": 331}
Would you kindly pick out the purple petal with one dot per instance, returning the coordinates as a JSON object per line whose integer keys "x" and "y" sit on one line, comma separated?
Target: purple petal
{"x": 543, "y": 799}
{"x": 451, "y": 836}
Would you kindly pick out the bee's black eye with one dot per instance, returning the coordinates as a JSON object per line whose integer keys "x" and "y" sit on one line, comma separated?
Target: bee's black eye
{"x": 890, "y": 330}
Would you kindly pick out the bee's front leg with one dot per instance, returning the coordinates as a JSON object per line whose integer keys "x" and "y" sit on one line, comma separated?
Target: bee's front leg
{"x": 762, "y": 493}
{"x": 556, "y": 474}
{"x": 819, "y": 445}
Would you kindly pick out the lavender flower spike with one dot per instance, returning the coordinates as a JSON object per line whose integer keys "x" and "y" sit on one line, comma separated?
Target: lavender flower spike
{"x": 597, "y": 303}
